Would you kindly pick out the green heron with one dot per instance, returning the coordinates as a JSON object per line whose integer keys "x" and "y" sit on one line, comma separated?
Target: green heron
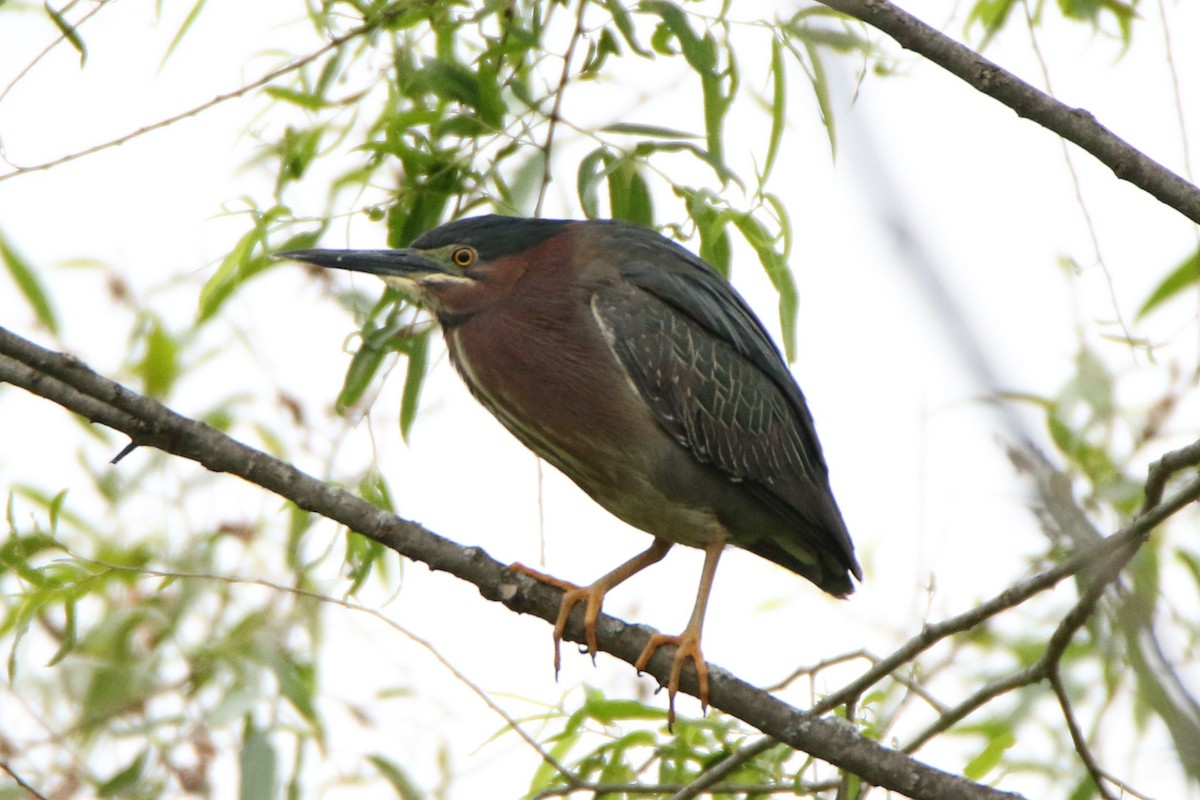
{"x": 636, "y": 369}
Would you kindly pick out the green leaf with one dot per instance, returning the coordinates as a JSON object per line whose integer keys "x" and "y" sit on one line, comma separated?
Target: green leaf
{"x": 159, "y": 366}
{"x": 257, "y": 763}
{"x": 480, "y": 90}
{"x": 70, "y": 634}
{"x": 774, "y": 263}
{"x": 628, "y": 195}
{"x": 364, "y": 364}
{"x": 1181, "y": 278}
{"x": 656, "y": 131}
{"x": 126, "y": 778}
{"x": 593, "y": 168}
{"x": 69, "y": 33}
{"x": 778, "y": 106}
{"x": 414, "y": 379}
{"x": 297, "y": 682}
{"x": 296, "y": 97}
{"x": 241, "y": 264}
{"x": 183, "y": 29}
{"x": 624, "y": 24}
{"x": 374, "y": 489}
{"x": 397, "y": 777}
{"x": 986, "y": 761}
{"x": 362, "y": 555}
{"x": 522, "y": 189}
{"x": 701, "y": 55}
{"x": 991, "y": 15}
{"x": 820, "y": 85}
{"x": 26, "y": 279}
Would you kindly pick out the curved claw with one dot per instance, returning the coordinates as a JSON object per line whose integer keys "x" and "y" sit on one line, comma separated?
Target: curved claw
{"x": 593, "y": 597}
{"x": 687, "y": 646}
{"x": 594, "y": 600}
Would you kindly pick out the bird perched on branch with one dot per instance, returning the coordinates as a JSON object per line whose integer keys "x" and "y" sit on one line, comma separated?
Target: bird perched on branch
{"x": 636, "y": 369}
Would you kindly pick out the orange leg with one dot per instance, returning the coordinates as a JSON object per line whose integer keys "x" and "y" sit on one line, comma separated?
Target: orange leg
{"x": 592, "y": 595}
{"x": 687, "y": 643}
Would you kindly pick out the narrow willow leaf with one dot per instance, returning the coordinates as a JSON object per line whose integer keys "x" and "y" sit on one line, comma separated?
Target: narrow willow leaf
{"x": 773, "y": 262}
{"x": 989, "y": 758}
{"x": 363, "y": 366}
{"x": 257, "y": 763}
{"x": 296, "y": 97}
{"x": 778, "y": 106}
{"x": 362, "y": 555}
{"x": 1181, "y": 278}
{"x": 394, "y": 774}
{"x": 159, "y": 365}
{"x": 26, "y": 279}
{"x": 592, "y": 169}
{"x": 229, "y": 275}
{"x": 639, "y": 206}
{"x": 183, "y": 29}
{"x": 69, "y": 634}
{"x": 414, "y": 379}
{"x": 656, "y": 131}
{"x": 624, "y": 24}
{"x": 126, "y": 778}
{"x": 69, "y": 33}
{"x": 820, "y": 84}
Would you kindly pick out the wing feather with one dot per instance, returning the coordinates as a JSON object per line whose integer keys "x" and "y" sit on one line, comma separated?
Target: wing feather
{"x": 716, "y": 383}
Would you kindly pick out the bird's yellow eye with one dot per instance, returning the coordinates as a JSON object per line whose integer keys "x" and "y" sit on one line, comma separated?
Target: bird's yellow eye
{"x": 464, "y": 256}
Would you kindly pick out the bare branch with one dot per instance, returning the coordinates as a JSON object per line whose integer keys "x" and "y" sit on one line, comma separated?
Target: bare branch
{"x": 1162, "y": 470}
{"x": 1074, "y": 124}
{"x": 1081, "y": 746}
{"x": 1158, "y": 681}
{"x": 333, "y": 44}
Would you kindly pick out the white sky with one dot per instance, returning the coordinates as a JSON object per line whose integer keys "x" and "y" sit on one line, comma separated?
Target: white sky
{"x": 915, "y": 463}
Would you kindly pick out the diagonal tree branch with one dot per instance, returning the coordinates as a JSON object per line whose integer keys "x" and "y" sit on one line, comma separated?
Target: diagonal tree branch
{"x": 65, "y": 380}
{"x": 1073, "y": 124}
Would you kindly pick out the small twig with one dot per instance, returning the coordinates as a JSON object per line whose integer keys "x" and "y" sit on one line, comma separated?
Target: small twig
{"x": 747, "y": 789}
{"x": 812, "y": 669}
{"x": 50, "y": 47}
{"x": 563, "y": 80}
{"x": 1077, "y": 185}
{"x": 713, "y": 775}
{"x": 1162, "y": 470}
{"x": 1041, "y": 669}
{"x": 21, "y": 781}
{"x": 333, "y": 44}
{"x": 1077, "y": 737}
{"x": 825, "y": 663}
{"x": 1129, "y": 536}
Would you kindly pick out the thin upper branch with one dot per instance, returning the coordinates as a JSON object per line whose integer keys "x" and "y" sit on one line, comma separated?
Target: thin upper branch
{"x": 241, "y": 91}
{"x": 1073, "y": 124}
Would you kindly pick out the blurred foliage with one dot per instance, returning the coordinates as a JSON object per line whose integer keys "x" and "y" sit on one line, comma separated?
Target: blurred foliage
{"x": 143, "y": 667}
{"x": 1108, "y": 16}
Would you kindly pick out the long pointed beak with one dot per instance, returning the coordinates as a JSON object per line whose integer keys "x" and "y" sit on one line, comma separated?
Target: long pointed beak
{"x": 405, "y": 263}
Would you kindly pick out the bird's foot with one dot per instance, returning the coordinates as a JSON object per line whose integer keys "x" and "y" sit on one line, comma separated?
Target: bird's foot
{"x": 593, "y": 598}
{"x": 687, "y": 647}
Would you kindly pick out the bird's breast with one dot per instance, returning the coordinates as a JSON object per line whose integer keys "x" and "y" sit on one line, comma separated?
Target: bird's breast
{"x": 569, "y": 400}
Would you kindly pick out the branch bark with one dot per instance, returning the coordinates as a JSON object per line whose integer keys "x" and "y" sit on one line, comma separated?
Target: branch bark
{"x": 68, "y": 382}
{"x": 1076, "y": 125}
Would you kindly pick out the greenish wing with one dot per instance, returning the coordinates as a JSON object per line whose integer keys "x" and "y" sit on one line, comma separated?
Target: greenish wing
{"x": 716, "y": 383}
